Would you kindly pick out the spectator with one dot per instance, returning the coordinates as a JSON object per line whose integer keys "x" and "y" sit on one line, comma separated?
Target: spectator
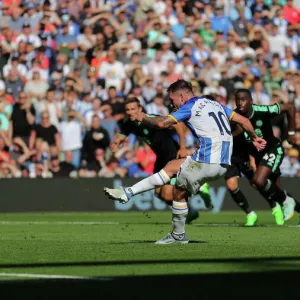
{"x": 157, "y": 107}
{"x": 60, "y": 169}
{"x": 71, "y": 143}
{"x": 45, "y": 132}
{"x": 22, "y": 118}
{"x": 290, "y": 166}
{"x": 5, "y": 113}
{"x": 108, "y": 122}
{"x": 36, "y": 88}
{"x": 97, "y": 137}
{"x": 113, "y": 72}
{"x": 48, "y": 65}
{"x": 96, "y": 110}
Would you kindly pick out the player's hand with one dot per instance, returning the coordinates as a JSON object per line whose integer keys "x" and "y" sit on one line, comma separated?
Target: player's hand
{"x": 259, "y": 143}
{"x": 291, "y": 139}
{"x": 182, "y": 153}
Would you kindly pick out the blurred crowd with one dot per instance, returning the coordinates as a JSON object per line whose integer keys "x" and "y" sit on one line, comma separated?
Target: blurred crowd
{"x": 67, "y": 66}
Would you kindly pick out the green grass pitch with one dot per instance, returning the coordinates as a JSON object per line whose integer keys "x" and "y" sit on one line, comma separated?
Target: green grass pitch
{"x": 120, "y": 244}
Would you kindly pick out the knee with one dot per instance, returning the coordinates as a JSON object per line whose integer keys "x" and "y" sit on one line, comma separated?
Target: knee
{"x": 232, "y": 185}
{"x": 259, "y": 182}
{"x": 158, "y": 193}
{"x": 166, "y": 196}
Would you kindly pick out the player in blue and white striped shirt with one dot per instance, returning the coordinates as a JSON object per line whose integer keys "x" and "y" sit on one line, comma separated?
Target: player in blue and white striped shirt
{"x": 208, "y": 120}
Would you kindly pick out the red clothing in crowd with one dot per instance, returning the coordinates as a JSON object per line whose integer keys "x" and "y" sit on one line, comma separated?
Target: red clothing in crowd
{"x": 291, "y": 14}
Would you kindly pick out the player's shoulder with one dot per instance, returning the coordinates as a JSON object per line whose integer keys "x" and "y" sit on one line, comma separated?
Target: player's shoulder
{"x": 125, "y": 122}
{"x": 260, "y": 108}
{"x": 266, "y": 109}
{"x": 190, "y": 103}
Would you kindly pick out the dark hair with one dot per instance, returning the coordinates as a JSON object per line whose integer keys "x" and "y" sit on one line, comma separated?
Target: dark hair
{"x": 95, "y": 117}
{"x": 159, "y": 95}
{"x": 133, "y": 100}
{"x": 180, "y": 84}
{"x": 245, "y": 91}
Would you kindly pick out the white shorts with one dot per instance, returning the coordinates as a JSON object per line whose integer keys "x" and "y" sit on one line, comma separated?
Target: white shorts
{"x": 192, "y": 174}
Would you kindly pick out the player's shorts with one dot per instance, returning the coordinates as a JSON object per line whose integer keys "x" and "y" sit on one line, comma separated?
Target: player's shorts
{"x": 238, "y": 167}
{"x": 272, "y": 158}
{"x": 169, "y": 153}
{"x": 192, "y": 174}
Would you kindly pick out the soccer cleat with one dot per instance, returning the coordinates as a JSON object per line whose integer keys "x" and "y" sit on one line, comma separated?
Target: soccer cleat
{"x": 118, "y": 194}
{"x": 288, "y": 208}
{"x": 169, "y": 239}
{"x": 193, "y": 215}
{"x": 278, "y": 214}
{"x": 205, "y": 195}
{"x": 251, "y": 219}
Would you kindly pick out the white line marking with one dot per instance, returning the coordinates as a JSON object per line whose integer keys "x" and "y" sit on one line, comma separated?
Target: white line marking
{"x": 240, "y": 225}
{"x": 124, "y": 223}
{"x": 41, "y": 276}
{"x": 55, "y": 223}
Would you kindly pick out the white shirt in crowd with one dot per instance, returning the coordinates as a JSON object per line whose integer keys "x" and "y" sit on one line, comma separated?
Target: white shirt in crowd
{"x": 32, "y": 38}
{"x": 261, "y": 98}
{"x": 84, "y": 41}
{"x": 154, "y": 109}
{"x": 43, "y": 73}
{"x": 21, "y": 69}
{"x": 89, "y": 116}
{"x": 278, "y": 43}
{"x": 2, "y": 85}
{"x": 70, "y": 135}
{"x": 113, "y": 74}
{"x": 52, "y": 109}
{"x": 287, "y": 169}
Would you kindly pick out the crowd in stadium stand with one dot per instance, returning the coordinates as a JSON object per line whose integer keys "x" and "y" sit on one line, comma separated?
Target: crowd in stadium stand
{"x": 67, "y": 66}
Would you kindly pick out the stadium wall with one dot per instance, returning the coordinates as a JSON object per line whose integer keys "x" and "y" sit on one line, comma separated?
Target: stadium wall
{"x": 37, "y": 195}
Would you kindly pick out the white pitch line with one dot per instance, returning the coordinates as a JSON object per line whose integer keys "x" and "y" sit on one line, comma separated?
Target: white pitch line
{"x": 124, "y": 223}
{"x": 240, "y": 225}
{"x": 41, "y": 276}
{"x": 55, "y": 223}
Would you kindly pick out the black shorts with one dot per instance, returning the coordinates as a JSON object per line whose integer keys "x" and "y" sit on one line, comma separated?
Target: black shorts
{"x": 272, "y": 158}
{"x": 169, "y": 153}
{"x": 238, "y": 167}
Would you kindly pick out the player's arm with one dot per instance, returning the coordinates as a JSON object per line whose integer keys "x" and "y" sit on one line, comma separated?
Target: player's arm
{"x": 158, "y": 121}
{"x": 245, "y": 123}
{"x": 290, "y": 110}
{"x": 236, "y": 129}
{"x": 116, "y": 142}
{"x": 181, "y": 115}
{"x": 182, "y": 152}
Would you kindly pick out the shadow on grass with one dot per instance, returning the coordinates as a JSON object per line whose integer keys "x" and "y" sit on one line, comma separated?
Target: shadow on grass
{"x": 273, "y": 285}
{"x": 151, "y": 242}
{"x": 246, "y": 260}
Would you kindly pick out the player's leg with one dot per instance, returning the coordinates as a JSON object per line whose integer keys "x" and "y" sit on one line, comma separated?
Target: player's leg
{"x": 276, "y": 209}
{"x": 191, "y": 176}
{"x": 240, "y": 199}
{"x": 278, "y": 183}
{"x": 165, "y": 193}
{"x": 269, "y": 164}
{"x": 179, "y": 213}
{"x": 161, "y": 178}
{"x": 204, "y": 193}
{"x": 270, "y": 191}
{"x": 233, "y": 172}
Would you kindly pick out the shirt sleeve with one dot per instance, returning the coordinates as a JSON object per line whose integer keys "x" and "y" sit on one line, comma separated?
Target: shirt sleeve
{"x": 229, "y": 113}
{"x": 271, "y": 110}
{"x": 183, "y": 113}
